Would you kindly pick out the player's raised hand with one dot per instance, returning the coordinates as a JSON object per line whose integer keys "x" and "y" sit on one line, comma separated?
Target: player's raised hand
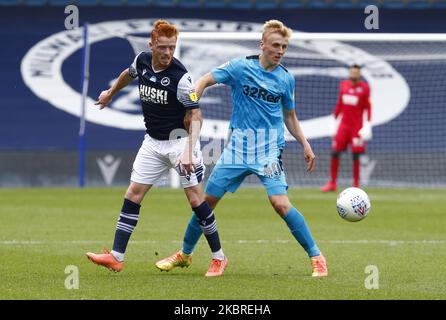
{"x": 310, "y": 158}
{"x": 104, "y": 99}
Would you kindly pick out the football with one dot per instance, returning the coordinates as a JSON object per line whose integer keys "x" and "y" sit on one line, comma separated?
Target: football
{"x": 353, "y": 204}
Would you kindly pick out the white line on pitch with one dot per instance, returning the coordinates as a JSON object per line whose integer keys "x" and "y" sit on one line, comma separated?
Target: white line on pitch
{"x": 81, "y": 242}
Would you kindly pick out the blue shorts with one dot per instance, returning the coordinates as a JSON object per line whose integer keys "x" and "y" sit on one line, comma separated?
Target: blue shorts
{"x": 228, "y": 177}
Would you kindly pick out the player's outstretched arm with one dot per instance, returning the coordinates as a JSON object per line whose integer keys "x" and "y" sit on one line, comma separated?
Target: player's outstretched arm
{"x": 205, "y": 81}
{"x": 293, "y": 126}
{"x": 106, "y": 96}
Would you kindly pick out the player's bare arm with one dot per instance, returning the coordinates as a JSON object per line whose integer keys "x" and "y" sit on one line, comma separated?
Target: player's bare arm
{"x": 106, "y": 96}
{"x": 293, "y": 126}
{"x": 205, "y": 81}
{"x": 193, "y": 121}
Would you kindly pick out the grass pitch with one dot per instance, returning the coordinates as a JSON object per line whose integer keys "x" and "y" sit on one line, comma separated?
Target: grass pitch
{"x": 42, "y": 231}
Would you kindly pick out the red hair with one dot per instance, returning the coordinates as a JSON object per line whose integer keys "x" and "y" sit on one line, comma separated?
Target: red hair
{"x": 163, "y": 28}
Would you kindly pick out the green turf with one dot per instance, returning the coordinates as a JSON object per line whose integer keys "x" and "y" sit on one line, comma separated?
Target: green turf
{"x": 44, "y": 230}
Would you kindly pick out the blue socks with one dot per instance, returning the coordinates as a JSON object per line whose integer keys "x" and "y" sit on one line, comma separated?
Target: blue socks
{"x": 126, "y": 224}
{"x": 293, "y": 218}
{"x": 300, "y": 231}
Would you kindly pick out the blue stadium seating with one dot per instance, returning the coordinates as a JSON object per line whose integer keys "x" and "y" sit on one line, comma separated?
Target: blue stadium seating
{"x": 317, "y": 4}
{"x": 112, "y": 2}
{"x": 67, "y": 2}
{"x": 36, "y": 2}
{"x": 266, "y": 4}
{"x": 240, "y": 4}
{"x": 59, "y": 2}
{"x": 396, "y": 4}
{"x": 344, "y": 4}
{"x": 292, "y": 4}
{"x": 365, "y": 3}
{"x": 164, "y": 3}
{"x": 138, "y": 2}
{"x": 10, "y": 2}
{"x": 419, "y": 4}
{"x": 439, "y": 4}
{"x": 190, "y": 3}
{"x": 215, "y": 3}
{"x": 87, "y": 2}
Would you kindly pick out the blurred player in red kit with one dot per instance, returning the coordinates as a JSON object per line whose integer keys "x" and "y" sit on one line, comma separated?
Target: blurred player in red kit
{"x": 353, "y": 113}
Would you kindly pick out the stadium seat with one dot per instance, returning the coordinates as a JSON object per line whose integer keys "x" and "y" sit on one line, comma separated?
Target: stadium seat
{"x": 111, "y": 2}
{"x": 266, "y": 4}
{"x": 138, "y": 2}
{"x": 76, "y": 2}
{"x": 396, "y": 4}
{"x": 9, "y": 2}
{"x": 241, "y": 4}
{"x": 344, "y": 4}
{"x": 190, "y": 3}
{"x": 165, "y": 3}
{"x": 292, "y": 4}
{"x": 439, "y": 4}
{"x": 365, "y": 3}
{"x": 36, "y": 2}
{"x": 59, "y": 2}
{"x": 318, "y": 4}
{"x": 419, "y": 4}
{"x": 215, "y": 3}
{"x": 87, "y": 2}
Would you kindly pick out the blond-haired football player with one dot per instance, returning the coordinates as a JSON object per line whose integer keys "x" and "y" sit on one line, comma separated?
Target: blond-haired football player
{"x": 263, "y": 101}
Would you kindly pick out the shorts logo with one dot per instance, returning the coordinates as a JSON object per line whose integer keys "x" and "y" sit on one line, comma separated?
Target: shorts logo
{"x": 273, "y": 170}
{"x": 165, "y": 81}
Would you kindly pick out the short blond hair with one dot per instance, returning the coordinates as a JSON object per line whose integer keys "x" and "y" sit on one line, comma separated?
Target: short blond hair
{"x": 275, "y": 26}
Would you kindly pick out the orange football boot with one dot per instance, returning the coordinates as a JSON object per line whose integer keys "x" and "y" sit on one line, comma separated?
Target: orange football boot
{"x": 217, "y": 268}
{"x": 178, "y": 259}
{"x": 319, "y": 265}
{"x": 106, "y": 260}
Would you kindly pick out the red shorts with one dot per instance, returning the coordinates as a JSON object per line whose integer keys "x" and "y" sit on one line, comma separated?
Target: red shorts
{"x": 344, "y": 137}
